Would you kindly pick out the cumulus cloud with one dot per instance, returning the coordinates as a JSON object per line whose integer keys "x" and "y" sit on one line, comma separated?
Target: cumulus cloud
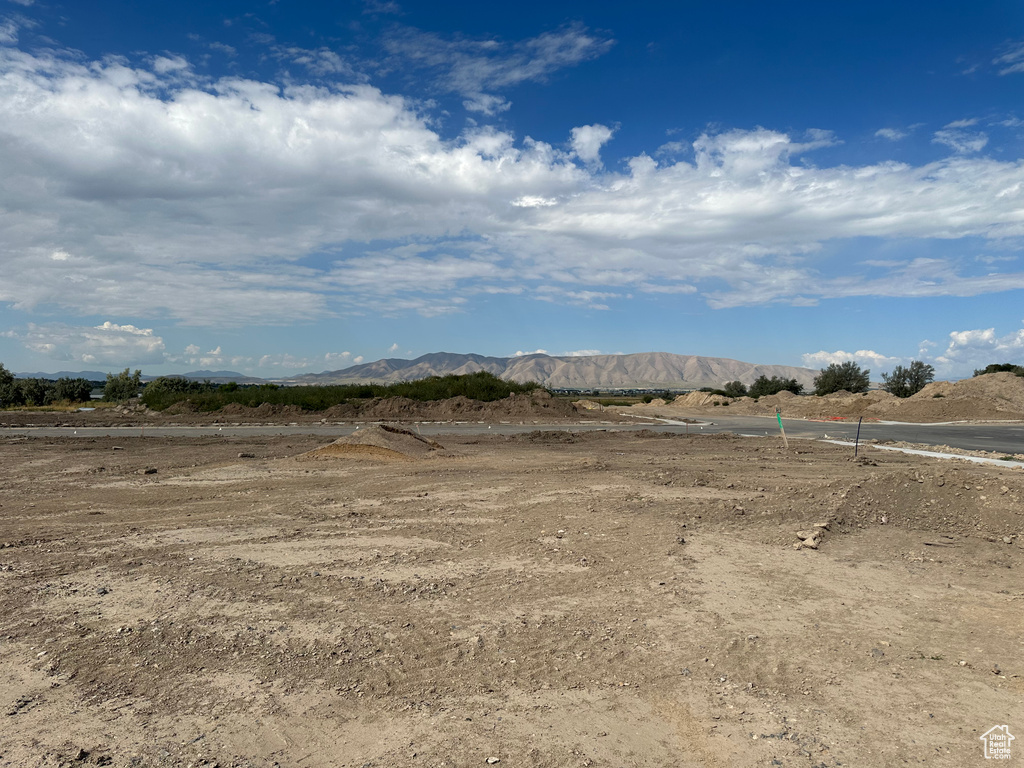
{"x": 587, "y": 141}
{"x": 874, "y": 361}
{"x": 582, "y": 353}
{"x": 534, "y": 352}
{"x": 973, "y": 349}
{"x": 963, "y": 353}
{"x": 106, "y": 344}
{"x": 131, "y": 191}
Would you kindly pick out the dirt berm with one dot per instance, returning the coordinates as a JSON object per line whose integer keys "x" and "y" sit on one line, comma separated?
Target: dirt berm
{"x": 994, "y": 396}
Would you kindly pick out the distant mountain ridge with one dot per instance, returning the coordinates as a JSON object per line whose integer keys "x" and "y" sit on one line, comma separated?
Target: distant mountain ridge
{"x": 643, "y": 370}
{"x": 90, "y": 375}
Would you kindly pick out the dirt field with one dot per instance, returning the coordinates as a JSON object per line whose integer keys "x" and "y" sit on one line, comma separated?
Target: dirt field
{"x": 607, "y": 599}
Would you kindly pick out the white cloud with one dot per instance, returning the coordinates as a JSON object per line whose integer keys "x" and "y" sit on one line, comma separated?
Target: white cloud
{"x": 535, "y": 352}
{"x": 961, "y": 142}
{"x": 163, "y": 65}
{"x": 974, "y": 349}
{"x": 876, "y": 362}
{"x": 475, "y": 68}
{"x": 106, "y": 344}
{"x": 322, "y": 62}
{"x": 587, "y": 141}
{"x": 892, "y": 134}
{"x": 965, "y": 123}
{"x": 487, "y": 104}
{"x": 8, "y": 32}
{"x": 964, "y": 352}
{"x": 582, "y": 353}
{"x": 26, "y": 3}
{"x": 394, "y": 347}
{"x": 1012, "y": 59}
{"x": 197, "y": 201}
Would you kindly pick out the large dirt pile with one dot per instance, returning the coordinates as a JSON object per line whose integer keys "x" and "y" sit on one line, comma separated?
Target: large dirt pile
{"x": 994, "y": 396}
{"x": 528, "y": 406}
{"x": 378, "y": 442}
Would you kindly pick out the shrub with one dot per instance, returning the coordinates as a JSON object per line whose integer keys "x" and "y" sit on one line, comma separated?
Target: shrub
{"x": 839, "y": 376}
{"x": 904, "y": 382}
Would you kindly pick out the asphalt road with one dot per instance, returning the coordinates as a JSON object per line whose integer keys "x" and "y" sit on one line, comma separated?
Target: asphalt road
{"x": 1003, "y": 438}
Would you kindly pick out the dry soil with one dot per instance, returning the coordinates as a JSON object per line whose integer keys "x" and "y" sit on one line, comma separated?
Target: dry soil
{"x": 555, "y": 599}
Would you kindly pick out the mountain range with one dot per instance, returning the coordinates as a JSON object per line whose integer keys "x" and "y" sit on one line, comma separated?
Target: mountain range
{"x": 644, "y": 370}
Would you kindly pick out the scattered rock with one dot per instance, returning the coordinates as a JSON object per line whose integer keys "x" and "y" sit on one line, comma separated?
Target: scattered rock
{"x": 493, "y": 760}
{"x": 247, "y": 455}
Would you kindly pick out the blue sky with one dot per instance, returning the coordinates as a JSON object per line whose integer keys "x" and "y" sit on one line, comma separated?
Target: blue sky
{"x": 278, "y": 187}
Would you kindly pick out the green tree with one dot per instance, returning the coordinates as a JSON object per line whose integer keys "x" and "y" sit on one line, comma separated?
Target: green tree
{"x": 122, "y": 386}
{"x": 764, "y": 386}
{"x": 839, "y": 376}
{"x": 70, "y": 390}
{"x": 10, "y": 392}
{"x": 735, "y": 388}
{"x": 33, "y": 391}
{"x": 904, "y": 382}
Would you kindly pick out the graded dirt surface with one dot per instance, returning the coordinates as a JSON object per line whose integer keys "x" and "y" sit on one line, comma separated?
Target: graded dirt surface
{"x": 551, "y": 599}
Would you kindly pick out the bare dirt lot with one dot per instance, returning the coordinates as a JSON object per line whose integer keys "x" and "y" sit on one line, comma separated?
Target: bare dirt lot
{"x": 553, "y": 599}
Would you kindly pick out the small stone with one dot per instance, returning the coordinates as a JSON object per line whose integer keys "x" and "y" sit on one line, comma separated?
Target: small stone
{"x": 247, "y": 455}
{"x": 102, "y": 591}
{"x": 806, "y": 534}
{"x": 148, "y": 471}
{"x": 1007, "y": 540}
{"x": 493, "y": 760}
{"x": 811, "y": 543}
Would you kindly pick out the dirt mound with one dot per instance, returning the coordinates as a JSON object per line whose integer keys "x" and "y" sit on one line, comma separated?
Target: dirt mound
{"x": 995, "y": 396}
{"x": 378, "y": 442}
{"x": 262, "y": 411}
{"x": 699, "y": 399}
{"x": 532, "y": 405}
